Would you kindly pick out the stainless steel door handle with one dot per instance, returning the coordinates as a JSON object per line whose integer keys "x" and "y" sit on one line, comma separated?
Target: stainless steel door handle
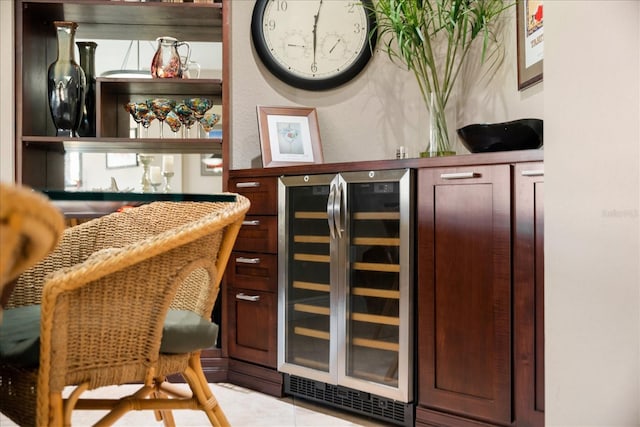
{"x": 339, "y": 219}
{"x": 459, "y": 175}
{"x": 331, "y": 219}
{"x": 244, "y": 260}
{"x": 249, "y": 184}
{"x": 245, "y": 297}
{"x": 251, "y": 222}
{"x": 537, "y": 172}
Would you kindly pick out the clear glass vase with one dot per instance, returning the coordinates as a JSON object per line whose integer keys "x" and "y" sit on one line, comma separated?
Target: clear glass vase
{"x": 440, "y": 136}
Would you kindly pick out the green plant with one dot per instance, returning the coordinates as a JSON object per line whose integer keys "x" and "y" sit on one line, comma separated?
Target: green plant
{"x": 433, "y": 39}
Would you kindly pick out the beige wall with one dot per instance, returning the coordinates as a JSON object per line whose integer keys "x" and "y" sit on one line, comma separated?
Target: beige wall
{"x": 7, "y": 129}
{"x": 592, "y": 164}
{"x": 368, "y": 118}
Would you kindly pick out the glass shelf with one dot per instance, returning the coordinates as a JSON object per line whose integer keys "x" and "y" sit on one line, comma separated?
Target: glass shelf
{"x": 125, "y": 145}
{"x": 94, "y": 203}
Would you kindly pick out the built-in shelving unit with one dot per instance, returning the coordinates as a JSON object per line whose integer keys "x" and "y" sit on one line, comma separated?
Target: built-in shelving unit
{"x": 39, "y": 153}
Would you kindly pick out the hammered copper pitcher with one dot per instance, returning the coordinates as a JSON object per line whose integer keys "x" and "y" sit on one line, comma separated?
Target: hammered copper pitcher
{"x": 166, "y": 63}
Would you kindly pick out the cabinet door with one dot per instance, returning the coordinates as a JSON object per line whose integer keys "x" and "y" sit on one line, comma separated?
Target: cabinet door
{"x": 375, "y": 344}
{"x": 464, "y": 291}
{"x": 528, "y": 294}
{"x": 252, "y": 326}
{"x": 307, "y": 342}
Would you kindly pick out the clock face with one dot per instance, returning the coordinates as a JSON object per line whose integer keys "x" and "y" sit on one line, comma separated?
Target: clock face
{"x": 314, "y": 44}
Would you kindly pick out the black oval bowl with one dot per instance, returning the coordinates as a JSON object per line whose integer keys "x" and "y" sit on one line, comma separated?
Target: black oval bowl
{"x": 523, "y": 134}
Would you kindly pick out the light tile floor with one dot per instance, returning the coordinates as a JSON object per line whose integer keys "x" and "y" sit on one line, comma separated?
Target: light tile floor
{"x": 243, "y": 408}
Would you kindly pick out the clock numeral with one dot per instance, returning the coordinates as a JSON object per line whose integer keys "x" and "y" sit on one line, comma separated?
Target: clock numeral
{"x": 314, "y": 67}
{"x": 357, "y": 28}
{"x": 281, "y": 5}
{"x": 351, "y": 6}
{"x": 271, "y": 25}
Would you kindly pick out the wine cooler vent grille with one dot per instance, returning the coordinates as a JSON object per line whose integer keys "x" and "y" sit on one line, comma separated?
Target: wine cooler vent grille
{"x": 398, "y": 413}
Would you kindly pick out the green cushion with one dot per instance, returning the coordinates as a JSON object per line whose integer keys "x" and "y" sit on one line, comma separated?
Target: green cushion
{"x": 20, "y": 336}
{"x": 183, "y": 332}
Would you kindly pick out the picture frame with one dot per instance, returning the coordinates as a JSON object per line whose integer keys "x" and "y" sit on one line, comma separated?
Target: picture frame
{"x": 530, "y": 40}
{"x": 121, "y": 160}
{"x": 289, "y": 136}
{"x": 210, "y": 165}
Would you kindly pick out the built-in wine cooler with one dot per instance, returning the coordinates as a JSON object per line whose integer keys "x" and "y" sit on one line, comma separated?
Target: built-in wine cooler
{"x": 345, "y": 315}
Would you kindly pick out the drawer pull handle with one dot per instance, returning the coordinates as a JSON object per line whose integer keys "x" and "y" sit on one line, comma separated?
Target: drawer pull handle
{"x": 244, "y": 260}
{"x": 538, "y": 172}
{"x": 244, "y": 297}
{"x": 251, "y": 222}
{"x": 459, "y": 175}
{"x": 250, "y": 184}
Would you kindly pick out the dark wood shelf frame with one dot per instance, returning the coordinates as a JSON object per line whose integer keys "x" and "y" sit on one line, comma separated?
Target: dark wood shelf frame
{"x": 104, "y": 19}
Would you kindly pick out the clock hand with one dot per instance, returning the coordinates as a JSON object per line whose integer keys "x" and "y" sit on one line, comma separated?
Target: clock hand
{"x": 334, "y": 45}
{"x": 315, "y": 38}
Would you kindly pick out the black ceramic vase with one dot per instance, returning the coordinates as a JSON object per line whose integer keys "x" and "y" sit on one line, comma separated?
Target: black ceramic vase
{"x": 66, "y": 83}
{"x": 88, "y": 63}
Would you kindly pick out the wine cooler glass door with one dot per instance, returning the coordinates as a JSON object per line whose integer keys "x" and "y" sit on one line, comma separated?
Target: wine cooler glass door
{"x": 377, "y": 315}
{"x": 345, "y": 280}
{"x": 307, "y": 328}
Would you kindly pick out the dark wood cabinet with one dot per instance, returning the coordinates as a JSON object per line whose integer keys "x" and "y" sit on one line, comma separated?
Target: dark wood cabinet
{"x": 464, "y": 291}
{"x": 480, "y": 295}
{"x": 528, "y": 294}
{"x": 252, "y": 286}
{"x": 252, "y": 305}
{"x": 250, "y": 336}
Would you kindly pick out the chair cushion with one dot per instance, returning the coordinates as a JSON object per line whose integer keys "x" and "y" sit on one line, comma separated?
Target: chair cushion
{"x": 183, "y": 332}
{"x": 20, "y": 336}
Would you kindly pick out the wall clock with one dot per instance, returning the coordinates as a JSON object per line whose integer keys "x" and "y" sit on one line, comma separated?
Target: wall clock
{"x": 314, "y": 44}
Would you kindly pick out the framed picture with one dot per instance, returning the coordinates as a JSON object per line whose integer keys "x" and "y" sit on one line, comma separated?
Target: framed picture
{"x": 121, "y": 160}
{"x": 530, "y": 42}
{"x": 210, "y": 165}
{"x": 289, "y": 136}
{"x": 72, "y": 170}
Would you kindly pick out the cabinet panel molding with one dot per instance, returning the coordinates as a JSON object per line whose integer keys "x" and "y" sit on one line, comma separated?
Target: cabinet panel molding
{"x": 252, "y": 325}
{"x": 464, "y": 291}
{"x": 529, "y": 294}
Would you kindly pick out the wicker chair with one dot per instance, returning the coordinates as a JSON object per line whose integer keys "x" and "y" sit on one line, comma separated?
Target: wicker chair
{"x": 105, "y": 296}
{"x": 30, "y": 227}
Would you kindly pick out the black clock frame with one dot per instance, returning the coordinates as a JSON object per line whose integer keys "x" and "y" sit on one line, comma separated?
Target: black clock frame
{"x": 260, "y": 45}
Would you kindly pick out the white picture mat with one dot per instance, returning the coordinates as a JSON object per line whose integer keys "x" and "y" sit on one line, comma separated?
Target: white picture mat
{"x": 292, "y": 147}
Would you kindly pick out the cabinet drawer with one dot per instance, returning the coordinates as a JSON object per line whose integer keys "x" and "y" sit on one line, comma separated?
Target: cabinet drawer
{"x": 256, "y": 271}
{"x": 262, "y": 192}
{"x": 258, "y": 234}
{"x": 253, "y": 326}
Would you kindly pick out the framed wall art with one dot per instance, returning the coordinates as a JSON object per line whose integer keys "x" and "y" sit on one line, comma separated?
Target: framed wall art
{"x": 530, "y": 42}
{"x": 289, "y": 136}
{"x": 121, "y": 160}
{"x": 210, "y": 165}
